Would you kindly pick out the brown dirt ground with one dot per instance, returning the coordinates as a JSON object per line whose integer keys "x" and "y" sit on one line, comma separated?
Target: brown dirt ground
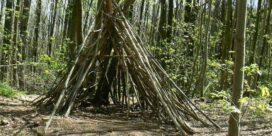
{"x": 18, "y": 118}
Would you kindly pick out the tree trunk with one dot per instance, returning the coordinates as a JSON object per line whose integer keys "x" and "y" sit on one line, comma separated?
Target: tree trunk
{"x": 15, "y": 45}
{"x": 52, "y": 28}
{"x": 141, "y": 15}
{"x": 227, "y": 42}
{"x": 265, "y": 39}
{"x": 188, "y": 11}
{"x": 36, "y": 31}
{"x": 237, "y": 90}
{"x": 162, "y": 34}
{"x": 190, "y": 19}
{"x": 4, "y": 74}
{"x": 205, "y": 53}
{"x": 128, "y": 8}
{"x": 24, "y": 16}
{"x": 108, "y": 65}
{"x": 264, "y": 47}
{"x": 104, "y": 87}
{"x": 170, "y": 20}
{"x": 163, "y": 21}
{"x": 255, "y": 36}
{"x": 75, "y": 28}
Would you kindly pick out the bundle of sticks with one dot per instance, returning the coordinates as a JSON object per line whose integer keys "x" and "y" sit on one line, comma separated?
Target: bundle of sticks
{"x": 114, "y": 62}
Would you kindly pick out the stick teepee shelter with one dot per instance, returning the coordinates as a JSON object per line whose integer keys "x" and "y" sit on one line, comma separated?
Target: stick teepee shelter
{"x": 115, "y": 57}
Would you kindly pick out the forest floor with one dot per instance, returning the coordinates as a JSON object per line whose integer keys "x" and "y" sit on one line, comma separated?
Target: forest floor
{"x": 18, "y": 118}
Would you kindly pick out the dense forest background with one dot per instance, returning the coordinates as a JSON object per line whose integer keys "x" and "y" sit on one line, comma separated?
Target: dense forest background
{"x": 194, "y": 41}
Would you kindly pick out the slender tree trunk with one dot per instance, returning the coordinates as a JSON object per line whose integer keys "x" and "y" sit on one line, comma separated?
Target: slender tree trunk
{"x": 197, "y": 52}
{"x": 223, "y": 10}
{"x": 265, "y": 39}
{"x": 205, "y": 53}
{"x": 237, "y": 90}
{"x": 128, "y": 8}
{"x": 170, "y": 20}
{"x": 146, "y": 14}
{"x": 188, "y": 11}
{"x": 227, "y": 43}
{"x": 163, "y": 21}
{"x": 24, "y": 16}
{"x": 104, "y": 86}
{"x": 162, "y": 30}
{"x": 154, "y": 20}
{"x": 1, "y": 10}
{"x": 75, "y": 28}
{"x": 4, "y": 74}
{"x": 52, "y": 28}
{"x": 87, "y": 19}
{"x": 189, "y": 18}
{"x": 255, "y": 36}
{"x": 36, "y": 31}
{"x": 141, "y": 15}
{"x": 15, "y": 45}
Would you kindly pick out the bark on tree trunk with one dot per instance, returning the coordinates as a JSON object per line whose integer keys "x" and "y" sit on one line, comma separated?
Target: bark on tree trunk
{"x": 36, "y": 31}
{"x": 227, "y": 43}
{"x": 24, "y": 16}
{"x": 104, "y": 87}
{"x": 255, "y": 36}
{"x": 4, "y": 74}
{"x": 237, "y": 90}
{"x": 52, "y": 28}
{"x": 75, "y": 28}
{"x": 15, "y": 45}
{"x": 170, "y": 20}
{"x": 205, "y": 53}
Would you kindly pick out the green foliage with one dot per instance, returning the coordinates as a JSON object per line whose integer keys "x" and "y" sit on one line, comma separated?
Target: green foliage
{"x": 269, "y": 39}
{"x": 213, "y": 71}
{"x": 8, "y": 91}
{"x": 1, "y": 30}
{"x": 252, "y": 70}
{"x": 257, "y": 107}
{"x": 220, "y": 95}
{"x": 54, "y": 66}
{"x": 265, "y": 92}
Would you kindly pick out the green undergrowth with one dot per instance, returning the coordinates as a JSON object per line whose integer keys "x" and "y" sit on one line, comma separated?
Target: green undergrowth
{"x": 7, "y": 91}
{"x": 256, "y": 107}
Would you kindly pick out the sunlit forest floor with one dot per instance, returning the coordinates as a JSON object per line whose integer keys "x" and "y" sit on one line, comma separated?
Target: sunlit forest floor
{"x": 18, "y": 118}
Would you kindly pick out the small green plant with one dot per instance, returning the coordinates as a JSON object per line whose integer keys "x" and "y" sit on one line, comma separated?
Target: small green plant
{"x": 252, "y": 70}
{"x": 259, "y": 105}
{"x": 219, "y": 95}
{"x": 7, "y": 91}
